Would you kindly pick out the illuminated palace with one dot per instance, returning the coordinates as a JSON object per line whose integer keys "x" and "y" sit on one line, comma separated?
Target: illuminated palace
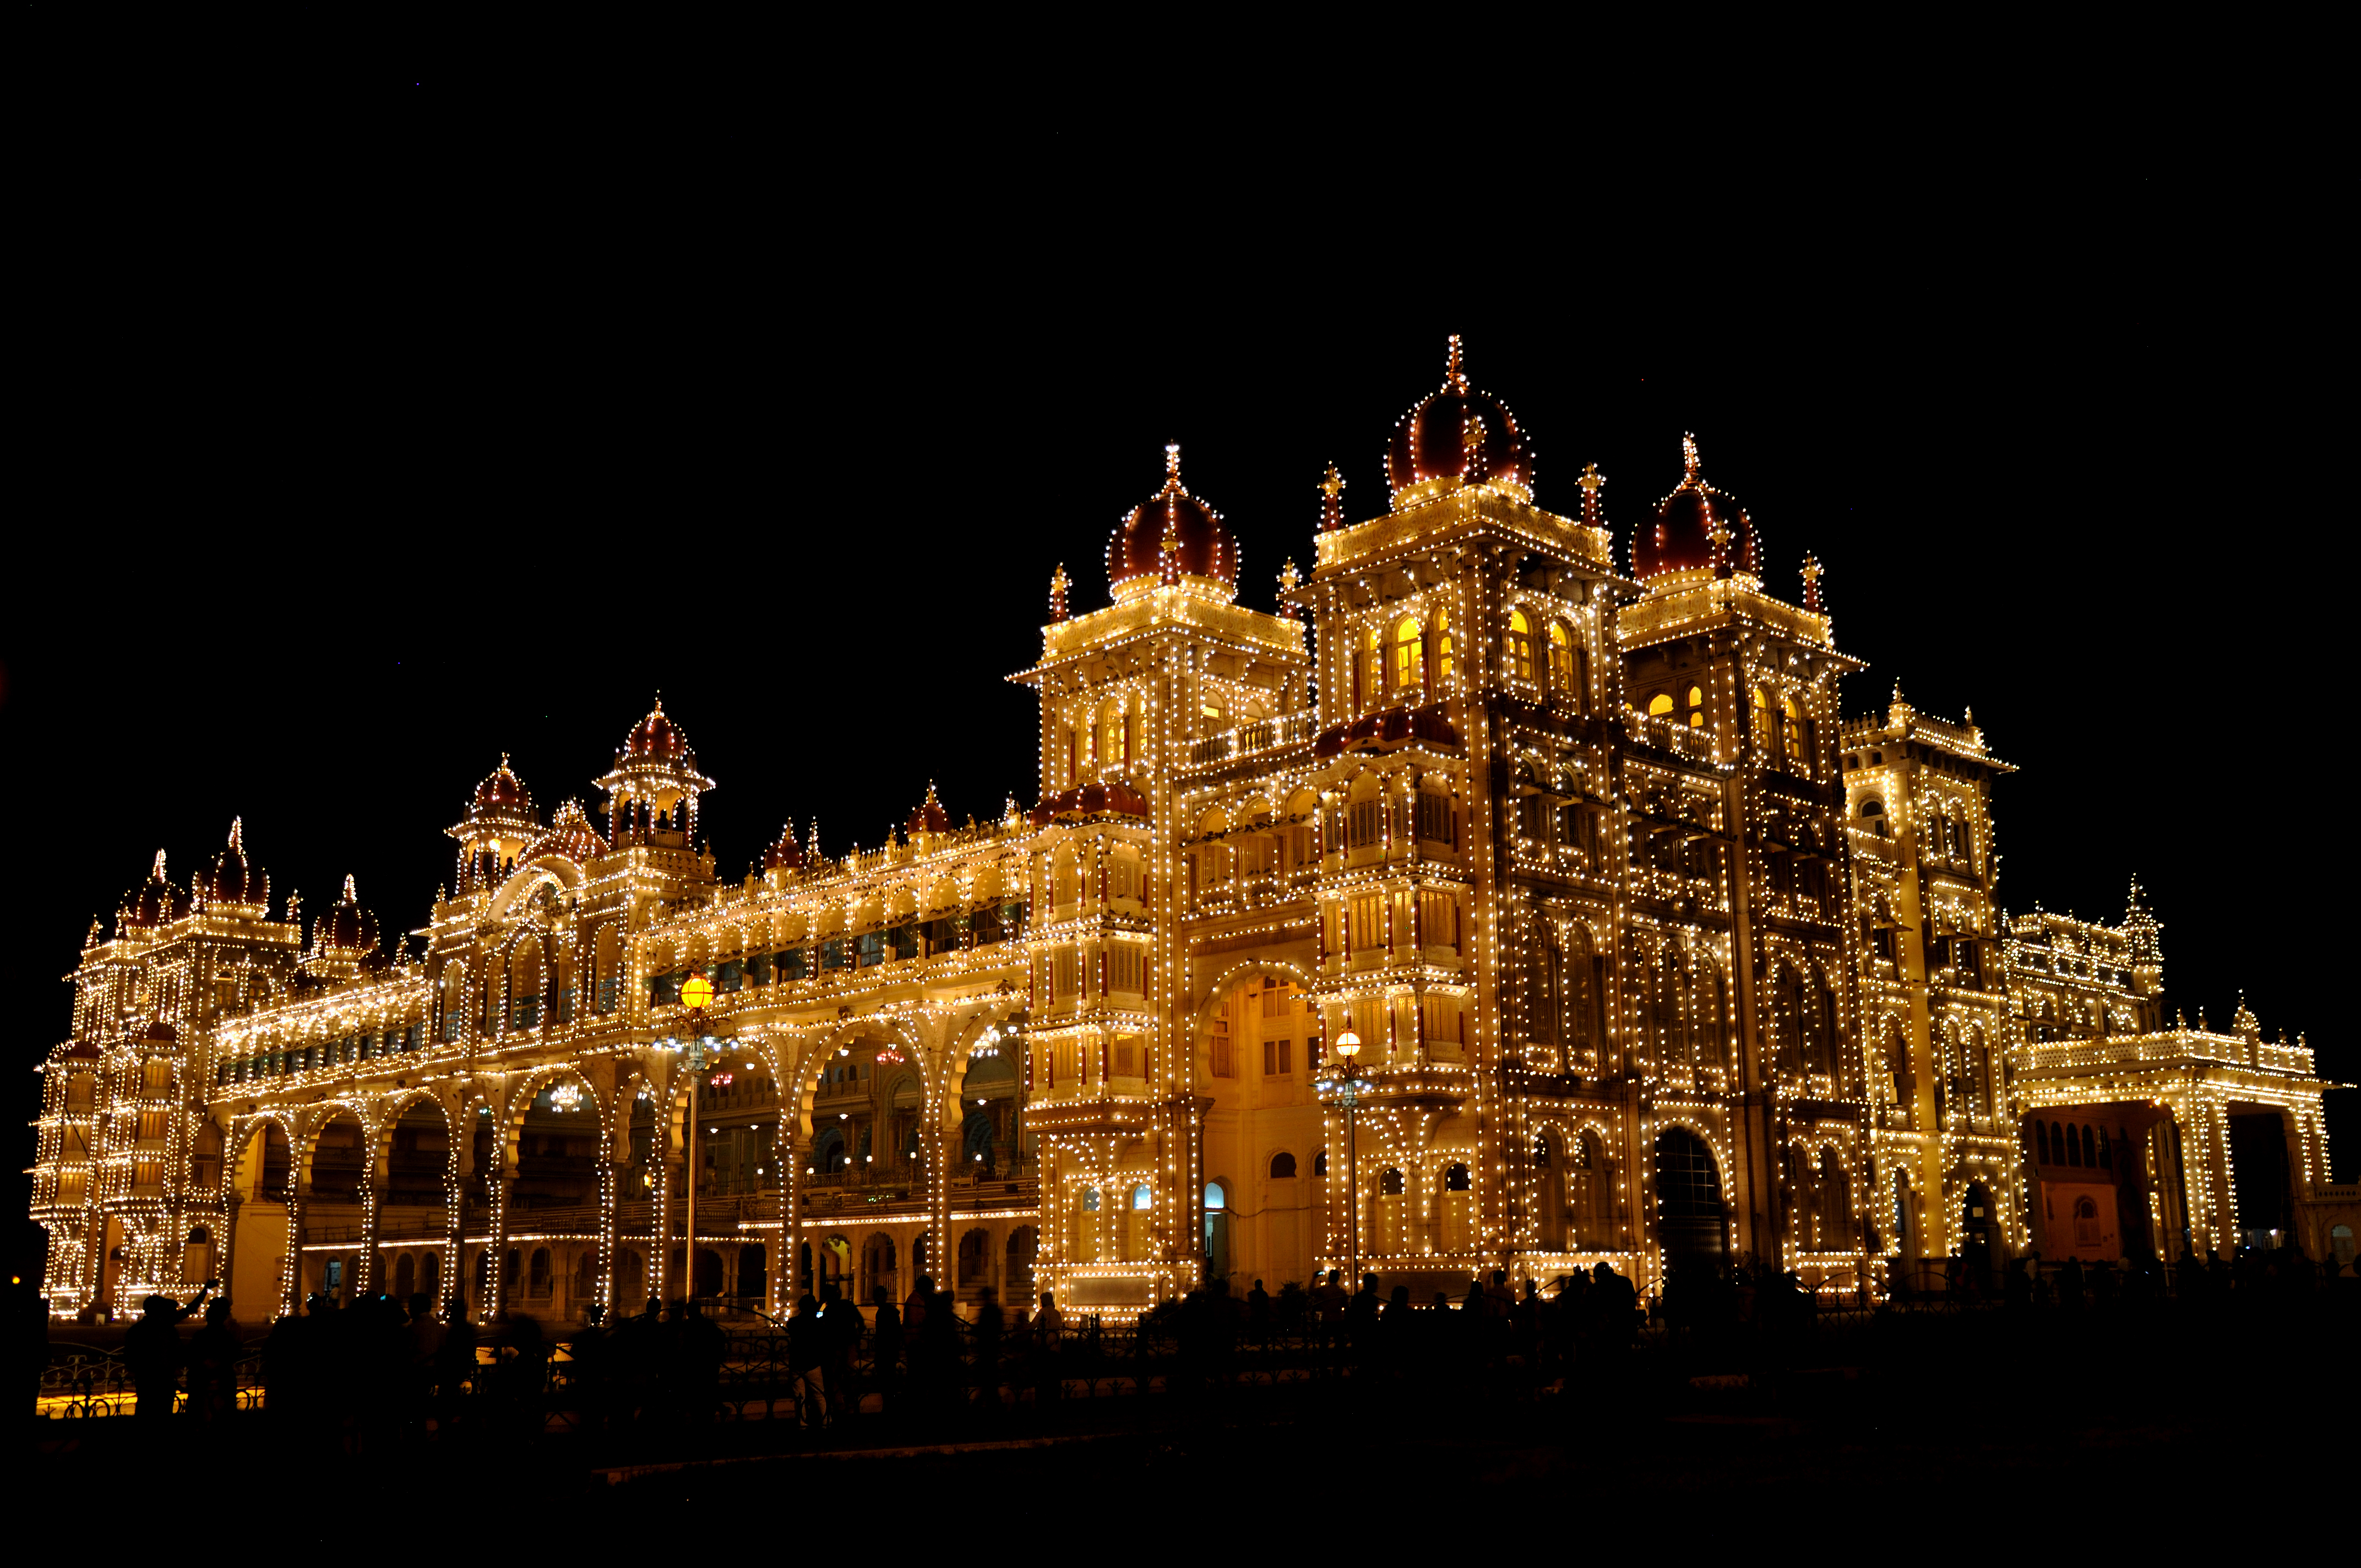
{"x": 1651, "y": 957}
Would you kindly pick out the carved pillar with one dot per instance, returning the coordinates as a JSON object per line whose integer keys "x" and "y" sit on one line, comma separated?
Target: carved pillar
{"x": 663, "y": 1216}
{"x": 372, "y": 1270}
{"x": 611, "y": 1219}
{"x": 291, "y": 1270}
{"x": 500, "y": 1184}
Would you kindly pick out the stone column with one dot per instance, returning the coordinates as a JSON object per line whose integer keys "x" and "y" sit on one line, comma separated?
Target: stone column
{"x": 787, "y": 1282}
{"x": 663, "y": 1217}
{"x": 502, "y": 1186}
{"x": 372, "y": 1269}
{"x": 610, "y": 1223}
{"x": 290, "y": 1271}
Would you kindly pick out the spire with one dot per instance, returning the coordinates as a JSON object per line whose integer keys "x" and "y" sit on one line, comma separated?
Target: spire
{"x": 1172, "y": 467}
{"x": 1454, "y": 375}
{"x": 1688, "y": 457}
{"x": 1332, "y": 500}
{"x": 1812, "y": 570}
{"x": 237, "y": 834}
{"x": 1058, "y": 584}
{"x": 157, "y": 870}
{"x": 1594, "y": 515}
{"x": 350, "y": 896}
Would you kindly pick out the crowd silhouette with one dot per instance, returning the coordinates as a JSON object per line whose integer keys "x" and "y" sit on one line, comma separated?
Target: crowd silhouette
{"x": 357, "y": 1378}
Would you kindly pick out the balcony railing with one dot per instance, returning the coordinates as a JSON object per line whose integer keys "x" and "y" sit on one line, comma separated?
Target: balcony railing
{"x": 1263, "y": 734}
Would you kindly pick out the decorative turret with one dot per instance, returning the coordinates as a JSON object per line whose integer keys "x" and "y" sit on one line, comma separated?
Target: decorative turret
{"x": 928, "y": 818}
{"x": 156, "y": 902}
{"x": 234, "y": 883}
{"x": 344, "y": 939}
{"x": 1171, "y": 539}
{"x": 1454, "y": 436}
{"x": 1697, "y": 528}
{"x": 500, "y": 822}
{"x": 652, "y": 790}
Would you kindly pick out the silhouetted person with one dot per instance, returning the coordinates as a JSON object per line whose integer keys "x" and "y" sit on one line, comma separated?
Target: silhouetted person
{"x": 989, "y": 1325}
{"x": 151, "y": 1354}
{"x": 213, "y": 1367}
{"x": 886, "y": 1348}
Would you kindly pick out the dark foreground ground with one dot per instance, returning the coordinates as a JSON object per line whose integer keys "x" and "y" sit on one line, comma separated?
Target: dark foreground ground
{"x": 1934, "y": 1431}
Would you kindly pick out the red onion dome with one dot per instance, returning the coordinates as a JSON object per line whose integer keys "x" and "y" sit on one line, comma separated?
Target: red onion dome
{"x": 929, "y": 816}
{"x": 1681, "y": 538}
{"x": 1457, "y": 436}
{"x": 232, "y": 879}
{"x": 658, "y": 737}
{"x": 346, "y": 927}
{"x": 154, "y": 902}
{"x": 1088, "y": 801}
{"x": 1170, "y": 536}
{"x": 81, "y": 1050}
{"x": 1386, "y": 730}
{"x": 787, "y": 854}
{"x": 504, "y": 791}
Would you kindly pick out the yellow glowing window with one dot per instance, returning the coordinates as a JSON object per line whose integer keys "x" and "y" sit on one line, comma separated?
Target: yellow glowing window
{"x": 1521, "y": 645}
{"x": 1443, "y": 664}
{"x": 1410, "y": 654}
{"x": 1111, "y": 736}
{"x": 1788, "y": 705}
{"x": 1760, "y": 700}
{"x": 1696, "y": 707}
{"x": 1660, "y": 705}
{"x": 1561, "y": 657}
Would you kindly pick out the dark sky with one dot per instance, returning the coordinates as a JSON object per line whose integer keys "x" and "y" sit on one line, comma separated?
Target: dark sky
{"x": 338, "y": 507}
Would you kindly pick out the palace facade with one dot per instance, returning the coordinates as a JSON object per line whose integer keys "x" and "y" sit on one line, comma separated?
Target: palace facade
{"x": 1652, "y": 958}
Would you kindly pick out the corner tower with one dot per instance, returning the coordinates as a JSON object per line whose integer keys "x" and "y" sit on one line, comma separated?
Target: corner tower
{"x": 1172, "y": 674}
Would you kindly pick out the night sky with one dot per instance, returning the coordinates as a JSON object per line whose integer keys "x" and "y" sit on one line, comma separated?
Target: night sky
{"x": 329, "y": 527}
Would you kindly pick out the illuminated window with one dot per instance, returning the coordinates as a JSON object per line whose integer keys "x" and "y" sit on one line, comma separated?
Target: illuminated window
{"x": 1141, "y": 1198}
{"x": 1370, "y": 671}
{"x": 1409, "y": 655}
{"x": 1111, "y": 748}
{"x": 1798, "y": 736}
{"x": 1521, "y": 645}
{"x": 1696, "y": 707}
{"x": 1443, "y": 665}
{"x": 1660, "y": 705}
{"x": 1560, "y": 658}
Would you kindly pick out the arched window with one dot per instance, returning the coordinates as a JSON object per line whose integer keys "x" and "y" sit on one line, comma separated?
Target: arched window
{"x": 2086, "y": 1222}
{"x": 1520, "y": 646}
{"x": 1455, "y": 1179}
{"x": 2073, "y": 1148}
{"x": 1696, "y": 707}
{"x": 1409, "y": 655}
{"x": 1089, "y": 1199}
{"x": 1389, "y": 1182}
{"x": 2089, "y": 1150}
{"x": 1215, "y": 1197}
{"x": 1141, "y": 1198}
{"x": 1798, "y": 733}
{"x": 1659, "y": 706}
{"x": 2106, "y": 1152}
{"x": 1369, "y": 673}
{"x": 1560, "y": 658}
{"x": 1319, "y": 1162}
{"x": 1112, "y": 751}
{"x": 1443, "y": 663}
{"x": 1282, "y": 1166}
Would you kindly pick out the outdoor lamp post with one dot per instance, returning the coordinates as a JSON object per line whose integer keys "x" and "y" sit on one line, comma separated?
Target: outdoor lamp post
{"x": 697, "y": 991}
{"x": 1343, "y": 1083}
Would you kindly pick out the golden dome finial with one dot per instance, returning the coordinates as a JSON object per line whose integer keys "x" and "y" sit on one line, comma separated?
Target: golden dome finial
{"x": 1455, "y": 376}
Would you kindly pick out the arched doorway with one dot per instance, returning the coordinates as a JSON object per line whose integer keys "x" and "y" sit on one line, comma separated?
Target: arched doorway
{"x": 1978, "y": 1223}
{"x": 1692, "y": 1226}
{"x": 1217, "y": 1231}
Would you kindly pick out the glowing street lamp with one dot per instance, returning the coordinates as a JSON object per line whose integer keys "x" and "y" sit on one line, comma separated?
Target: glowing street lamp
{"x": 1343, "y": 1083}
